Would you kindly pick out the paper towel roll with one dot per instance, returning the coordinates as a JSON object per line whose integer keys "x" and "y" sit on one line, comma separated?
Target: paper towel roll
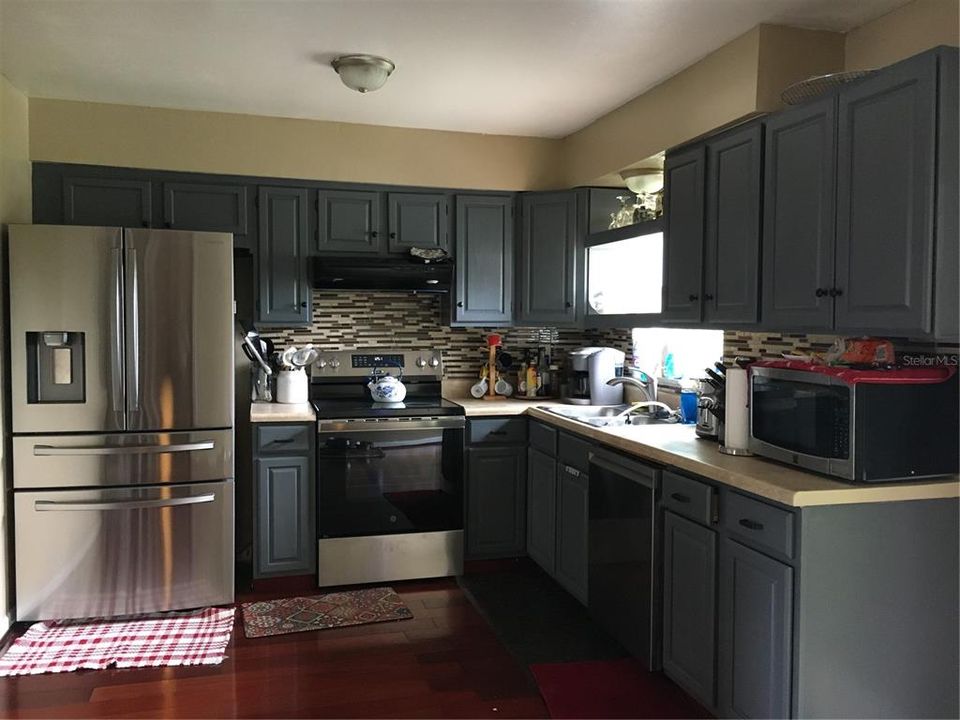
{"x": 736, "y": 418}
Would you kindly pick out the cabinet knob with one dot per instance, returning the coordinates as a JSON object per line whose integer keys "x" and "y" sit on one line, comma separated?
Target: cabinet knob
{"x": 393, "y": 236}
{"x": 708, "y": 297}
{"x": 820, "y": 292}
{"x": 836, "y": 292}
{"x": 373, "y": 233}
{"x": 303, "y": 304}
{"x": 569, "y": 304}
{"x": 146, "y": 223}
{"x": 693, "y": 298}
{"x": 168, "y": 224}
{"x": 460, "y": 304}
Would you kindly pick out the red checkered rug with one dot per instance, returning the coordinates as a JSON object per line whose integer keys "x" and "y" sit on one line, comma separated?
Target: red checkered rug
{"x": 192, "y": 638}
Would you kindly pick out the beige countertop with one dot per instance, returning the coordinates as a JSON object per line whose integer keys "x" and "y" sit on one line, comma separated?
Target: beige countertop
{"x": 679, "y": 446}
{"x": 264, "y": 412}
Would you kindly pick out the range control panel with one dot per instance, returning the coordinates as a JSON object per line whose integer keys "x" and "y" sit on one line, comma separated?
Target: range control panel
{"x": 361, "y": 363}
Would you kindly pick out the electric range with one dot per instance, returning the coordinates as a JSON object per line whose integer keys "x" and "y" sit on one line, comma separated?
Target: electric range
{"x": 390, "y": 476}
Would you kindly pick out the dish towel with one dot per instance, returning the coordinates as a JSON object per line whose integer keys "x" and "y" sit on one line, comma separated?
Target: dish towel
{"x": 198, "y": 637}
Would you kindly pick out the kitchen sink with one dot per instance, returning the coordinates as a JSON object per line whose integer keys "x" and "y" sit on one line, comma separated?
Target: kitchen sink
{"x": 604, "y": 415}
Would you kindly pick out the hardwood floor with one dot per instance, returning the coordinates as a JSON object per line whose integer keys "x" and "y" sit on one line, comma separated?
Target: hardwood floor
{"x": 445, "y": 662}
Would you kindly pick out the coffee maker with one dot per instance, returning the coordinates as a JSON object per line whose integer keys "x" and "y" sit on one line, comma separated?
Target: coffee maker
{"x": 589, "y": 370}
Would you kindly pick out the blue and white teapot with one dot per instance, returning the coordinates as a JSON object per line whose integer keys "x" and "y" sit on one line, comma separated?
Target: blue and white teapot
{"x": 387, "y": 388}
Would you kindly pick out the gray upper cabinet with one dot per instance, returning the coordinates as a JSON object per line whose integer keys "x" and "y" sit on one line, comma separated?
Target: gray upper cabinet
{"x": 417, "y": 220}
{"x": 106, "y": 201}
{"x": 756, "y": 631}
{"x": 484, "y": 272}
{"x": 573, "y": 510}
{"x": 284, "y": 291}
{"x": 349, "y": 221}
{"x": 885, "y": 200}
{"x": 683, "y": 175}
{"x": 798, "y": 217}
{"x": 542, "y": 509}
{"x": 946, "y": 316}
{"x": 732, "y": 248}
{"x": 548, "y": 258}
{"x": 206, "y": 207}
{"x": 689, "y": 605}
{"x": 285, "y": 538}
{"x": 496, "y": 508}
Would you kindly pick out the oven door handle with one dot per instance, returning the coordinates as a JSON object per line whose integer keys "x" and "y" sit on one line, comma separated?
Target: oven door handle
{"x": 338, "y": 427}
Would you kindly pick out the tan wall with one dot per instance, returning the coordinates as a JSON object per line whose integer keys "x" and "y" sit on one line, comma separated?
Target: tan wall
{"x": 14, "y": 208}
{"x": 906, "y": 31}
{"x": 788, "y": 55}
{"x": 100, "y": 134}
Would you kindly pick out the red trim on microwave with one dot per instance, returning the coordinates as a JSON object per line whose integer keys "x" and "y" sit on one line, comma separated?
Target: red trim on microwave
{"x": 897, "y": 376}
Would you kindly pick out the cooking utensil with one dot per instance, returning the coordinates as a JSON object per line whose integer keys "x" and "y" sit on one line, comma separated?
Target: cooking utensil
{"x": 721, "y": 368}
{"x": 717, "y": 377}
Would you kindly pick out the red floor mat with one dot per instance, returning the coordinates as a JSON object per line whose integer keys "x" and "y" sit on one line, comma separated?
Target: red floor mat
{"x": 611, "y": 689}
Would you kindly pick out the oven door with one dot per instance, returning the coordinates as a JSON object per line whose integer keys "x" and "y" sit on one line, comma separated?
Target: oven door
{"x": 803, "y": 419}
{"x": 389, "y": 476}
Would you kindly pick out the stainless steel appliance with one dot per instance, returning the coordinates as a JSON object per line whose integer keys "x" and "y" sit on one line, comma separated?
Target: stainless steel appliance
{"x": 122, "y": 420}
{"x": 859, "y": 425}
{"x": 390, "y": 476}
{"x": 624, "y": 572}
{"x": 590, "y": 369}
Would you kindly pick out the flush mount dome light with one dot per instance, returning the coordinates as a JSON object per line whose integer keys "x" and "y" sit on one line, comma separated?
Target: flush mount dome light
{"x": 642, "y": 180}
{"x": 363, "y": 73}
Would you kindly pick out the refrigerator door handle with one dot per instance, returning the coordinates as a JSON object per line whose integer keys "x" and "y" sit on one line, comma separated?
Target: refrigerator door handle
{"x": 133, "y": 331}
{"x": 116, "y": 332}
{"x": 122, "y": 450}
{"x": 83, "y": 505}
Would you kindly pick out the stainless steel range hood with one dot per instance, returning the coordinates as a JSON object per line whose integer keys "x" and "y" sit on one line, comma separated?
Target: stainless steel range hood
{"x": 361, "y": 273}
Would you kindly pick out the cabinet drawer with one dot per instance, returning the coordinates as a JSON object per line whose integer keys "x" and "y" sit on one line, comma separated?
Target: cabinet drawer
{"x": 498, "y": 430}
{"x": 688, "y": 497}
{"x": 759, "y": 524}
{"x": 573, "y": 451}
{"x": 284, "y": 439}
{"x": 543, "y": 438}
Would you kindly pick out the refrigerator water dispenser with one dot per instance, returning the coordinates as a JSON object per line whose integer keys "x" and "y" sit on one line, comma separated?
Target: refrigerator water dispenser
{"x": 55, "y": 367}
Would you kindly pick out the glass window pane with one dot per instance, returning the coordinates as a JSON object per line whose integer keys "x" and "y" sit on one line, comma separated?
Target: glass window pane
{"x": 625, "y": 277}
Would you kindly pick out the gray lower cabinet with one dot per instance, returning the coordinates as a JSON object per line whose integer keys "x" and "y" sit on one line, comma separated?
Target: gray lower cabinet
{"x": 542, "y": 509}
{"x": 689, "y": 606}
{"x": 107, "y": 201}
{"x": 548, "y": 245}
{"x": 496, "y": 501}
{"x": 756, "y": 634}
{"x": 573, "y": 505}
{"x": 417, "y": 220}
{"x": 683, "y": 234}
{"x": 284, "y": 296}
{"x": 349, "y": 221}
{"x": 285, "y": 542}
{"x": 484, "y": 271}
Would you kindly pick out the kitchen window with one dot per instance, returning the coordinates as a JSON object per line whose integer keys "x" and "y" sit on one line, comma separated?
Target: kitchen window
{"x": 624, "y": 273}
{"x": 676, "y": 353}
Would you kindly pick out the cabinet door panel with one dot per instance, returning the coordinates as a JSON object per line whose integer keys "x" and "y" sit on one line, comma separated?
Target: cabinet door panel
{"x": 542, "y": 509}
{"x": 689, "y": 605}
{"x": 109, "y": 202}
{"x": 284, "y": 290}
{"x": 732, "y": 250}
{"x": 349, "y": 221}
{"x": 573, "y": 520}
{"x": 756, "y": 611}
{"x": 212, "y": 208}
{"x": 885, "y": 190}
{"x": 484, "y": 259}
{"x": 683, "y": 176}
{"x": 284, "y": 497}
{"x": 417, "y": 220}
{"x": 548, "y": 258}
{"x": 496, "y": 508}
{"x": 799, "y": 227}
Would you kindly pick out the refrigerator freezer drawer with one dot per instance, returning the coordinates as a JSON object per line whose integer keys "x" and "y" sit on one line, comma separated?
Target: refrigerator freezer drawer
{"x": 60, "y": 461}
{"x": 122, "y": 551}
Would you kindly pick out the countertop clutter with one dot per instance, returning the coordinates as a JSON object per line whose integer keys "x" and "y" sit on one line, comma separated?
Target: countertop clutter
{"x": 678, "y": 446}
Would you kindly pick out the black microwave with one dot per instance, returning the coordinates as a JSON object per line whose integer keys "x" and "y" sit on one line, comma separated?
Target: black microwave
{"x": 859, "y": 425}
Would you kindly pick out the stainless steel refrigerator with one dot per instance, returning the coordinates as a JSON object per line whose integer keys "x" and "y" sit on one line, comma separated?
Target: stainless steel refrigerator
{"x": 121, "y": 358}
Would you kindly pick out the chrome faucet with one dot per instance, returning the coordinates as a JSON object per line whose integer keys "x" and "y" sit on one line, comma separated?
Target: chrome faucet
{"x": 649, "y": 386}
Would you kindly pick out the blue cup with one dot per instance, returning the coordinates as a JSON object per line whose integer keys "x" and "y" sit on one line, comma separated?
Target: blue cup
{"x": 688, "y": 407}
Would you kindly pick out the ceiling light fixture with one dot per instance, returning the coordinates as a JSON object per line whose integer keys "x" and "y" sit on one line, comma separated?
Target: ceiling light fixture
{"x": 642, "y": 180}
{"x": 363, "y": 73}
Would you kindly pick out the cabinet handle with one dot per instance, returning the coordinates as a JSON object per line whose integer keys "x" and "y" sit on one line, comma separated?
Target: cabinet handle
{"x": 146, "y": 223}
{"x": 751, "y": 524}
{"x": 693, "y": 298}
{"x": 373, "y": 233}
{"x": 836, "y": 292}
{"x": 282, "y": 441}
{"x": 460, "y": 304}
{"x": 393, "y": 236}
{"x": 708, "y": 297}
{"x": 497, "y": 432}
{"x": 569, "y": 304}
{"x": 820, "y": 292}
{"x": 168, "y": 224}
{"x": 303, "y": 304}
{"x": 680, "y": 497}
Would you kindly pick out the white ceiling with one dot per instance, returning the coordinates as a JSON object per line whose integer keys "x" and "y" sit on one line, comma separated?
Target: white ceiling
{"x": 519, "y": 67}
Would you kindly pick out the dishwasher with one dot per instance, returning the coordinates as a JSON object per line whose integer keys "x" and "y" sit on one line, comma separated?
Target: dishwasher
{"x": 624, "y": 557}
